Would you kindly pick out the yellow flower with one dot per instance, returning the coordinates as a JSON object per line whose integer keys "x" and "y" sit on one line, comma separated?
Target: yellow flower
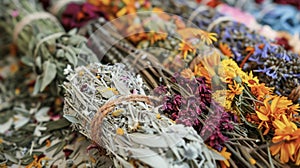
{"x": 250, "y": 80}
{"x": 273, "y": 108}
{"x": 226, "y": 155}
{"x": 228, "y": 70}
{"x": 286, "y": 139}
{"x": 185, "y": 48}
{"x": 235, "y": 89}
{"x": 154, "y": 36}
{"x": 99, "y": 2}
{"x": 120, "y": 131}
{"x": 200, "y": 71}
{"x": 207, "y": 37}
{"x": 13, "y": 68}
{"x": 220, "y": 97}
{"x": 129, "y": 8}
{"x": 252, "y": 161}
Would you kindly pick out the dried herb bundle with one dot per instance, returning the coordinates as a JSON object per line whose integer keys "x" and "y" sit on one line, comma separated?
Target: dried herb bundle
{"x": 271, "y": 63}
{"x": 40, "y": 36}
{"x": 109, "y": 105}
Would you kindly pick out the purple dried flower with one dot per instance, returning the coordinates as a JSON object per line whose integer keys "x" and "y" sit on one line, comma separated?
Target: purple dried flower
{"x": 160, "y": 90}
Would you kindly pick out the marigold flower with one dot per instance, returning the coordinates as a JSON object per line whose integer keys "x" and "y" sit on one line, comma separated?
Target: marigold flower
{"x": 235, "y": 89}
{"x": 154, "y": 36}
{"x": 273, "y": 108}
{"x": 286, "y": 139}
{"x": 201, "y": 71}
{"x": 135, "y": 33}
{"x": 228, "y": 70}
{"x": 207, "y": 37}
{"x": 251, "y": 80}
{"x": 260, "y": 91}
{"x": 128, "y": 8}
{"x": 225, "y": 50}
{"x": 185, "y": 48}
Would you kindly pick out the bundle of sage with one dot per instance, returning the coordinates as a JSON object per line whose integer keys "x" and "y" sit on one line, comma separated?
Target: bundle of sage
{"x": 111, "y": 106}
{"x": 38, "y": 34}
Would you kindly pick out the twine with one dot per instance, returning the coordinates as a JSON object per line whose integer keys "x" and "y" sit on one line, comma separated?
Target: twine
{"x": 60, "y": 4}
{"x": 218, "y": 21}
{"x": 28, "y": 19}
{"x": 47, "y": 38}
{"x": 108, "y": 107}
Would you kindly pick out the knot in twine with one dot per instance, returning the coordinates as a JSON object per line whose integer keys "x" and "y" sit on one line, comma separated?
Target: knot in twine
{"x": 108, "y": 107}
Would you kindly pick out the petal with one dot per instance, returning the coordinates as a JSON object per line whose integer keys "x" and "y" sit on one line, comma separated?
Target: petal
{"x": 274, "y": 104}
{"x": 261, "y": 116}
{"x": 291, "y": 148}
{"x": 275, "y": 149}
{"x": 122, "y": 12}
{"x": 284, "y": 154}
{"x": 278, "y": 124}
{"x": 277, "y": 139}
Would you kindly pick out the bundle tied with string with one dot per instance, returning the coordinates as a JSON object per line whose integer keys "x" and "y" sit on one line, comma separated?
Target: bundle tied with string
{"x": 112, "y": 106}
{"x": 39, "y": 35}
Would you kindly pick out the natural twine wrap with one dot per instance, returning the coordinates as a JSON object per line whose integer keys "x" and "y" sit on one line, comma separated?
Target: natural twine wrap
{"x": 108, "y": 107}
{"x": 30, "y": 18}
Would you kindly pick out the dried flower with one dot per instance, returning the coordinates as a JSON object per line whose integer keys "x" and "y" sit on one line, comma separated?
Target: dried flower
{"x": 273, "y": 108}
{"x": 225, "y": 50}
{"x": 130, "y": 7}
{"x": 207, "y": 37}
{"x": 187, "y": 73}
{"x": 140, "y": 123}
{"x": 38, "y": 162}
{"x": 77, "y": 15}
{"x": 154, "y": 36}
{"x": 226, "y": 155}
{"x": 260, "y": 91}
{"x": 186, "y": 48}
{"x": 235, "y": 89}
{"x": 286, "y": 139}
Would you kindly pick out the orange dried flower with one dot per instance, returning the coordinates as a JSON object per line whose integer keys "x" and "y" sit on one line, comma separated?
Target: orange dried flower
{"x": 260, "y": 91}
{"x": 225, "y": 50}
{"x": 286, "y": 139}
{"x": 185, "y": 48}
{"x": 155, "y": 36}
{"x": 273, "y": 108}
{"x": 234, "y": 89}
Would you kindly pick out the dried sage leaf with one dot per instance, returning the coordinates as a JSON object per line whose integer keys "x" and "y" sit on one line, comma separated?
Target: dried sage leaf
{"x": 59, "y": 124}
{"x": 48, "y": 75}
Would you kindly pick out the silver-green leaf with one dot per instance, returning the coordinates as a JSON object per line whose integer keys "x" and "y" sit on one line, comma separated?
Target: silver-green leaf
{"x": 48, "y": 75}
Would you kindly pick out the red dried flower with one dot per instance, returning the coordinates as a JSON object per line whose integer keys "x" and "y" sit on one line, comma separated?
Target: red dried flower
{"x": 77, "y": 15}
